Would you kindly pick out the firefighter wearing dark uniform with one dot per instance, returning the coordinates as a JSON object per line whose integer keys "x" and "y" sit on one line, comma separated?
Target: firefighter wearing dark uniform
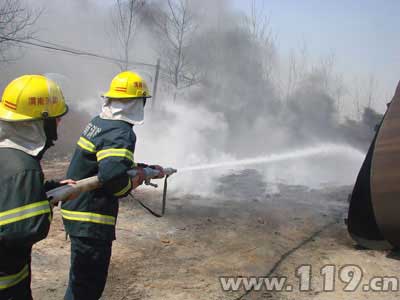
{"x": 105, "y": 147}
{"x": 28, "y": 110}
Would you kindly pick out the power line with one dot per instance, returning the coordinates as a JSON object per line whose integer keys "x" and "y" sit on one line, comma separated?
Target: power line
{"x": 61, "y": 48}
{"x": 57, "y": 47}
{"x": 52, "y": 44}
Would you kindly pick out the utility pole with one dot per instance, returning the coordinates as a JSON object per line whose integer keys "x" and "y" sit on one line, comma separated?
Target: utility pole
{"x": 155, "y": 84}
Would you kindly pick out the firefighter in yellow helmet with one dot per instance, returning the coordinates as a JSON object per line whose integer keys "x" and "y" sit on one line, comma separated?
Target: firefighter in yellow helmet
{"x": 105, "y": 147}
{"x": 29, "y": 109}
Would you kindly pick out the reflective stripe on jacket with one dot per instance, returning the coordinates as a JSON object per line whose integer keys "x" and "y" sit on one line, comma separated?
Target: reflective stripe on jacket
{"x": 12, "y": 280}
{"x": 87, "y": 217}
{"x": 25, "y": 213}
{"x": 106, "y": 148}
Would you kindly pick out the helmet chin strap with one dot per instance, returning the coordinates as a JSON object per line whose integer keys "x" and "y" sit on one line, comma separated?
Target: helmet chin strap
{"x": 50, "y": 129}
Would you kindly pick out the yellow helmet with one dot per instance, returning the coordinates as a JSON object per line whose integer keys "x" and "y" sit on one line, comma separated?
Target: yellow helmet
{"x": 128, "y": 85}
{"x": 32, "y": 97}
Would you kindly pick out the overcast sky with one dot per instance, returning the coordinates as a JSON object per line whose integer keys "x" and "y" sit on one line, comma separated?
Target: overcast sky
{"x": 363, "y": 35}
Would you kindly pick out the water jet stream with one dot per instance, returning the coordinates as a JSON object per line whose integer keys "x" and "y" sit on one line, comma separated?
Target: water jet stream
{"x": 322, "y": 149}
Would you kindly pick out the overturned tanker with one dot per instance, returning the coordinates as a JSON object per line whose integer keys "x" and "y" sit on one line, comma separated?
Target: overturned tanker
{"x": 374, "y": 212}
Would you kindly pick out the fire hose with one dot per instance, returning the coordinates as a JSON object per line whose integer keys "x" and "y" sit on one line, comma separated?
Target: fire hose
{"x": 63, "y": 193}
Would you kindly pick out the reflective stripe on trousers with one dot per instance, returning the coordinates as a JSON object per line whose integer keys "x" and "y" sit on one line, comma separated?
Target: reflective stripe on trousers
{"x": 87, "y": 217}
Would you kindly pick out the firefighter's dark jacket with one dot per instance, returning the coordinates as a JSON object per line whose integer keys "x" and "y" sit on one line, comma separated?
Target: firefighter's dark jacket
{"x": 105, "y": 148}
{"x": 25, "y": 213}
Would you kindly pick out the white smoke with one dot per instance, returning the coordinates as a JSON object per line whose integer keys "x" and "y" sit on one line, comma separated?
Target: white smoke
{"x": 234, "y": 115}
{"x": 185, "y": 138}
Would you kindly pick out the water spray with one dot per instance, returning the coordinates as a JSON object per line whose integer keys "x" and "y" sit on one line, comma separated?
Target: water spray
{"x": 63, "y": 193}
{"x": 323, "y": 149}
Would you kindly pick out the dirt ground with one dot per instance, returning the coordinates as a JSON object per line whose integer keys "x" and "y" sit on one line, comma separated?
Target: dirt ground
{"x": 244, "y": 231}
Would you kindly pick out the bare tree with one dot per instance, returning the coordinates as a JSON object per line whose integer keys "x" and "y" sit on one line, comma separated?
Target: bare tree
{"x": 339, "y": 92}
{"x": 16, "y": 22}
{"x": 257, "y": 22}
{"x": 125, "y": 20}
{"x": 364, "y": 94}
{"x": 372, "y": 87}
{"x": 175, "y": 28}
{"x": 356, "y": 98}
{"x": 298, "y": 69}
{"x": 292, "y": 75}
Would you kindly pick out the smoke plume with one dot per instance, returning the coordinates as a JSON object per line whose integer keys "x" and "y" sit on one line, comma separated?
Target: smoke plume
{"x": 242, "y": 99}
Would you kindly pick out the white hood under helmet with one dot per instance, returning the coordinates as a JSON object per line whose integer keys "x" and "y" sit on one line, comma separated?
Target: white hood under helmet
{"x": 27, "y": 136}
{"x": 131, "y": 111}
